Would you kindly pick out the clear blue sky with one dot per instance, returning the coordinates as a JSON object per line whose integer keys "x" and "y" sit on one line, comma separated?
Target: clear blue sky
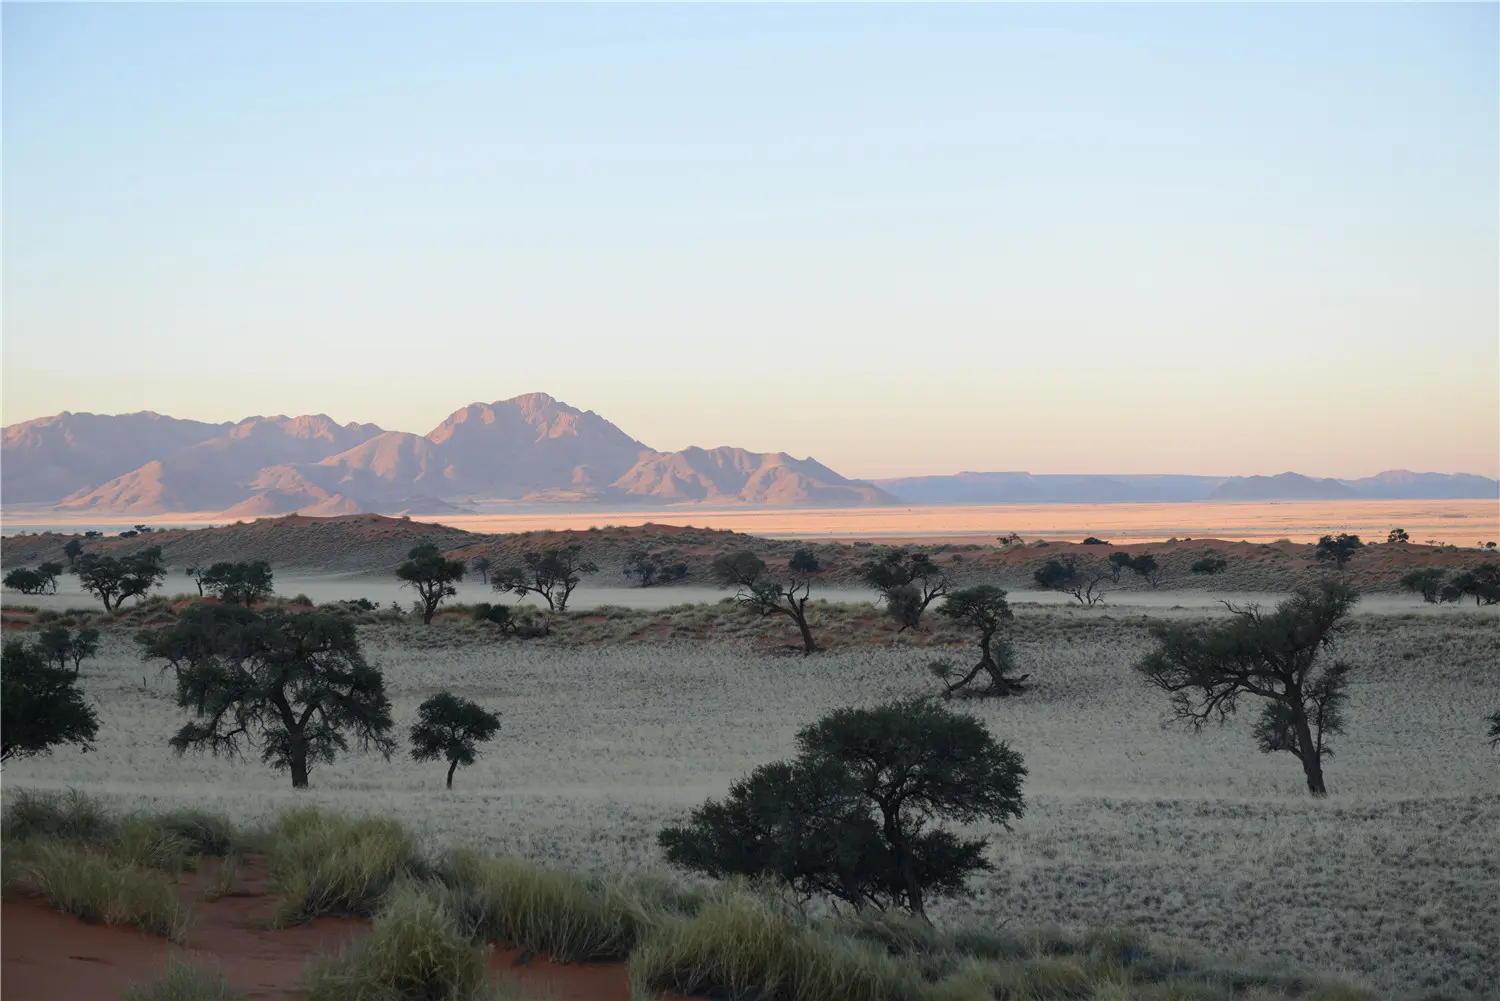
{"x": 914, "y": 239}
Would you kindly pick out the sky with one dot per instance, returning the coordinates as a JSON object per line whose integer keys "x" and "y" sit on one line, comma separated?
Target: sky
{"x": 920, "y": 239}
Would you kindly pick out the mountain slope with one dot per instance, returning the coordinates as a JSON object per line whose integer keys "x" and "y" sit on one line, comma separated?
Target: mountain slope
{"x": 733, "y": 475}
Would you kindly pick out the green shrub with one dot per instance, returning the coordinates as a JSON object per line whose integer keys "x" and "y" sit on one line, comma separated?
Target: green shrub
{"x": 98, "y": 888}
{"x": 416, "y": 951}
{"x": 322, "y": 863}
{"x": 69, "y": 816}
{"x": 182, "y": 981}
{"x": 560, "y": 915}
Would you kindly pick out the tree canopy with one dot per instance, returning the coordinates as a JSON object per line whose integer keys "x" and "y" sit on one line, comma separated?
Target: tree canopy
{"x": 1084, "y": 581}
{"x": 294, "y": 684}
{"x": 432, "y": 575}
{"x": 112, "y": 579}
{"x": 1338, "y": 549}
{"x": 451, "y": 728}
{"x": 41, "y": 706}
{"x": 856, "y": 815}
{"x": 909, "y": 581}
{"x": 1274, "y": 656}
{"x": 772, "y": 594}
{"x": 42, "y": 580}
{"x": 551, "y": 574}
{"x": 238, "y": 583}
{"x": 984, "y": 610}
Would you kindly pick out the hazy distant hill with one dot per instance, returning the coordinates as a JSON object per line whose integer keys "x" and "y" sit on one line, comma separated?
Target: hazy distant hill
{"x": 531, "y": 447}
{"x": 1024, "y": 488}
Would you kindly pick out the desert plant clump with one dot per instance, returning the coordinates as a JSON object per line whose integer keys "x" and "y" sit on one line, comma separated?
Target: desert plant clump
{"x": 183, "y": 981}
{"x": 95, "y": 887}
{"x": 324, "y": 863}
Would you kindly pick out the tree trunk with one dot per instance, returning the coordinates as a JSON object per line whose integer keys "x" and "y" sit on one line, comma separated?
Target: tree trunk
{"x": 452, "y": 766}
{"x": 299, "y": 769}
{"x": 800, "y": 616}
{"x": 1312, "y": 762}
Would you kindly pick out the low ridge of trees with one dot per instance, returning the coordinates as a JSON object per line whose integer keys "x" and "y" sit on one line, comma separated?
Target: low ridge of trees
{"x": 552, "y": 575}
{"x": 451, "y": 728}
{"x": 909, "y": 581}
{"x": 1085, "y": 582}
{"x": 238, "y": 583}
{"x": 984, "y": 610}
{"x": 1274, "y": 656}
{"x": 42, "y": 580}
{"x": 41, "y": 706}
{"x": 294, "y": 684}
{"x": 112, "y": 579}
{"x": 646, "y": 568}
{"x": 432, "y": 575}
{"x": 855, "y": 816}
{"x": 1338, "y": 549}
{"x": 784, "y": 594}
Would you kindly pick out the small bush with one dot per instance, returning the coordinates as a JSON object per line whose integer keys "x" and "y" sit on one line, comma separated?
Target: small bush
{"x": 416, "y": 951}
{"x": 69, "y": 816}
{"x": 327, "y": 864}
{"x": 97, "y": 888}
{"x": 182, "y": 981}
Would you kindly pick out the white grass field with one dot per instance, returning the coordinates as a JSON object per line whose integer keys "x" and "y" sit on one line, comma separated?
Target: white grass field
{"x": 1393, "y": 878}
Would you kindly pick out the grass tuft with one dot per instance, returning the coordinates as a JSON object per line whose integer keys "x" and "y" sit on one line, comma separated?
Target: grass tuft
{"x": 70, "y": 816}
{"x": 102, "y": 889}
{"x": 182, "y": 981}
{"x": 321, "y": 863}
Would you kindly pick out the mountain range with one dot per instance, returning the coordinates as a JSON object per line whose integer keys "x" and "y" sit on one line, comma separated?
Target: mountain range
{"x": 536, "y": 449}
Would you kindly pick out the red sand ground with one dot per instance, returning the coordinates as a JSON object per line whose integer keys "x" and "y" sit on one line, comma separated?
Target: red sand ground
{"x": 49, "y": 956}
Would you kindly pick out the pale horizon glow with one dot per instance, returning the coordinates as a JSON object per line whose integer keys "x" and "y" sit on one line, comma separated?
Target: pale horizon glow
{"x": 904, "y": 240}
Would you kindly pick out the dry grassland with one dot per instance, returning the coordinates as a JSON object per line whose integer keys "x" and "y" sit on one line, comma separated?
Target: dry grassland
{"x": 1393, "y": 877}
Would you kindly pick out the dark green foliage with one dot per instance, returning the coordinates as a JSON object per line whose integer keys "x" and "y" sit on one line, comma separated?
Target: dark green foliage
{"x": 1083, "y": 581}
{"x": 1338, "y": 549}
{"x": 852, "y": 816}
{"x": 1480, "y": 582}
{"x": 295, "y": 684}
{"x": 748, "y": 575}
{"x": 432, "y": 575}
{"x": 1272, "y": 656}
{"x": 238, "y": 583}
{"x": 68, "y": 648}
{"x": 651, "y": 568}
{"x": 40, "y": 705}
{"x": 1209, "y": 565}
{"x": 909, "y": 581}
{"x": 1398, "y": 535}
{"x": 481, "y": 565}
{"x": 1118, "y": 561}
{"x": 112, "y": 579}
{"x": 501, "y": 615}
{"x": 1428, "y": 582}
{"x": 984, "y": 610}
{"x": 72, "y": 549}
{"x": 1145, "y": 566}
{"x": 1093, "y": 541}
{"x": 449, "y": 727}
{"x": 552, "y": 575}
{"x": 42, "y": 580}
{"x": 1495, "y": 729}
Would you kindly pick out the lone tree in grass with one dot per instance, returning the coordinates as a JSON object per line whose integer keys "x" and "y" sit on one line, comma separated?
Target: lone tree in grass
{"x": 238, "y": 583}
{"x": 984, "y": 610}
{"x": 1428, "y": 582}
{"x": 1085, "y": 582}
{"x": 1338, "y": 549}
{"x": 1398, "y": 535}
{"x": 481, "y": 566}
{"x": 296, "y": 685}
{"x": 552, "y": 575}
{"x": 42, "y": 580}
{"x": 1273, "y": 656}
{"x": 72, "y": 549}
{"x": 647, "y": 568}
{"x": 40, "y": 705}
{"x": 855, "y": 816}
{"x": 909, "y": 581}
{"x": 432, "y": 575}
{"x": 450, "y": 728}
{"x": 756, "y": 586}
{"x": 68, "y": 648}
{"x": 112, "y": 579}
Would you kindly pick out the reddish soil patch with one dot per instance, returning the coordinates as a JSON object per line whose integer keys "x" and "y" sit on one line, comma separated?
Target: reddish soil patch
{"x": 46, "y": 955}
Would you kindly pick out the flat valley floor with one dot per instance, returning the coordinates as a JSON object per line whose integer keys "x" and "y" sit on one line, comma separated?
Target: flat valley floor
{"x": 1392, "y": 878}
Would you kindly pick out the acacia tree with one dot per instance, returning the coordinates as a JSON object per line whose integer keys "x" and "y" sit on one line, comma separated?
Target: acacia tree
{"x": 42, "y": 580}
{"x": 1427, "y": 581}
{"x": 295, "y": 684}
{"x": 450, "y": 727}
{"x": 856, "y": 814}
{"x": 432, "y": 575}
{"x": 650, "y": 568}
{"x": 1338, "y": 549}
{"x": 985, "y": 610}
{"x": 72, "y": 549}
{"x": 1209, "y": 565}
{"x": 67, "y": 647}
{"x": 551, "y": 574}
{"x": 40, "y": 705}
{"x": 112, "y": 579}
{"x": 1085, "y": 582}
{"x": 1397, "y": 535}
{"x": 238, "y": 583}
{"x": 748, "y": 575}
{"x": 481, "y": 565}
{"x": 1273, "y": 656}
{"x": 1480, "y": 582}
{"x": 196, "y": 573}
{"x": 908, "y": 581}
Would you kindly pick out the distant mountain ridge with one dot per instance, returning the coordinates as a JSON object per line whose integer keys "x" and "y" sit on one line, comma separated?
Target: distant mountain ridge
{"x": 530, "y": 447}
{"x": 1025, "y": 488}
